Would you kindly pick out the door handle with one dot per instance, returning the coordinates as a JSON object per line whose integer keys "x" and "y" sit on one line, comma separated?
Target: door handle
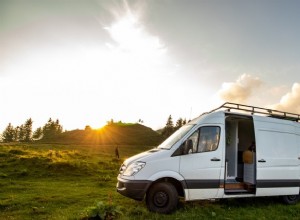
{"x": 262, "y": 161}
{"x": 215, "y": 159}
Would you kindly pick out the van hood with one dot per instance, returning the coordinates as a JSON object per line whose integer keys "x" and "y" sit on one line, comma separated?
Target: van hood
{"x": 142, "y": 156}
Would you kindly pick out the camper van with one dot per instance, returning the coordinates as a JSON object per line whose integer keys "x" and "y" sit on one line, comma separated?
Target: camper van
{"x": 230, "y": 152}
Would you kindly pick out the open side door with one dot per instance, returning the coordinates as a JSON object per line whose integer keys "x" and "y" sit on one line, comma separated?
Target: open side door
{"x": 277, "y": 157}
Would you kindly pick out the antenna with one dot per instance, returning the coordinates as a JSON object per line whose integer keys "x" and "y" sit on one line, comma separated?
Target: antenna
{"x": 190, "y": 113}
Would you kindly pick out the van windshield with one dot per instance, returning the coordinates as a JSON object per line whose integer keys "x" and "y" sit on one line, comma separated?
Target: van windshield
{"x": 170, "y": 141}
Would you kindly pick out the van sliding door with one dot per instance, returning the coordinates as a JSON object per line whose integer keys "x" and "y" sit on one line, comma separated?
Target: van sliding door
{"x": 276, "y": 157}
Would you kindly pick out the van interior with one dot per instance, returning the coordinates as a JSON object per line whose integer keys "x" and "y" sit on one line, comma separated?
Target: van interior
{"x": 240, "y": 163}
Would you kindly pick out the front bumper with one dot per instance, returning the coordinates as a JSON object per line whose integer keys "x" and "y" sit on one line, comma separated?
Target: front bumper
{"x": 134, "y": 189}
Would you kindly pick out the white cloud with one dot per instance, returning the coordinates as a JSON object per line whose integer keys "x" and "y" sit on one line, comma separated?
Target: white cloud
{"x": 135, "y": 50}
{"x": 290, "y": 102}
{"x": 130, "y": 35}
{"x": 240, "y": 90}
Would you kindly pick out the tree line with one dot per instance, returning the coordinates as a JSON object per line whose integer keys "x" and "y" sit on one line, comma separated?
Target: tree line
{"x": 170, "y": 128}
{"x": 52, "y": 129}
{"x": 24, "y": 133}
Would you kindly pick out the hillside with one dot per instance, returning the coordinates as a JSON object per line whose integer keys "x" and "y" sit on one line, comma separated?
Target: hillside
{"x": 62, "y": 182}
{"x": 112, "y": 134}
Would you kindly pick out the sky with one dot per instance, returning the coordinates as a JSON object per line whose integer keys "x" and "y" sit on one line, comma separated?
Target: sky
{"x": 86, "y": 62}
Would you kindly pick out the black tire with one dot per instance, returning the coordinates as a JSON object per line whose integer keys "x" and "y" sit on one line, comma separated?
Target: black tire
{"x": 291, "y": 199}
{"x": 162, "y": 198}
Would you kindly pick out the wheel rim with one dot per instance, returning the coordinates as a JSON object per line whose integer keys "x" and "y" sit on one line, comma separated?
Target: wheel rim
{"x": 160, "y": 199}
{"x": 292, "y": 197}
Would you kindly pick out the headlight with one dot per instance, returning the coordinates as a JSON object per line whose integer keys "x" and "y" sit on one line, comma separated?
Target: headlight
{"x": 133, "y": 168}
{"x": 122, "y": 169}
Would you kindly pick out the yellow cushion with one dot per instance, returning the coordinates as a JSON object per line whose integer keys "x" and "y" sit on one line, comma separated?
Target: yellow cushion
{"x": 248, "y": 156}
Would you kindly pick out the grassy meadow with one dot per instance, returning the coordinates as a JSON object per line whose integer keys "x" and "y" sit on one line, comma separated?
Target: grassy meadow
{"x": 52, "y": 181}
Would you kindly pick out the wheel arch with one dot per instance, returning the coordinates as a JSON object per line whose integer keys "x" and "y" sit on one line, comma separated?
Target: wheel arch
{"x": 179, "y": 185}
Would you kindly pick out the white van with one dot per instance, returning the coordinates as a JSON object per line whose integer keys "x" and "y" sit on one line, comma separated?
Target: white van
{"x": 232, "y": 151}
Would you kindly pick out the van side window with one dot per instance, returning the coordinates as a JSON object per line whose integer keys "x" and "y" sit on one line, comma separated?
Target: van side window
{"x": 209, "y": 138}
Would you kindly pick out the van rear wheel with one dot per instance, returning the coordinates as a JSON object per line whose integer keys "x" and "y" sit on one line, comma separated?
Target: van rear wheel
{"x": 162, "y": 198}
{"x": 291, "y": 199}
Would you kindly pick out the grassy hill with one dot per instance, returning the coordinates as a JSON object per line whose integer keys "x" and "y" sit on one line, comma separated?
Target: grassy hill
{"x": 54, "y": 181}
{"x": 112, "y": 134}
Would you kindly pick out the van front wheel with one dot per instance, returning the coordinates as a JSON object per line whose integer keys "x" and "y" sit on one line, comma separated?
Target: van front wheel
{"x": 291, "y": 199}
{"x": 162, "y": 198}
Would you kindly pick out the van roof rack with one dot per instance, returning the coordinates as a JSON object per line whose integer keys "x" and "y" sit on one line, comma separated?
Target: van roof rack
{"x": 228, "y": 106}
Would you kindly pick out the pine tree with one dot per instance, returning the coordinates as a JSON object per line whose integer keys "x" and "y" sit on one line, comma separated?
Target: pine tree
{"x": 169, "y": 128}
{"x": 179, "y": 123}
{"x": 51, "y": 129}
{"x": 38, "y": 133}
{"x": 8, "y": 134}
{"x": 28, "y": 130}
{"x": 48, "y": 129}
{"x": 169, "y": 123}
{"x": 58, "y": 128}
{"x": 20, "y": 133}
{"x": 16, "y": 133}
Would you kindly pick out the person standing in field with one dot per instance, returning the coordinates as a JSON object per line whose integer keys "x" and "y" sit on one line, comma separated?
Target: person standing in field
{"x": 117, "y": 152}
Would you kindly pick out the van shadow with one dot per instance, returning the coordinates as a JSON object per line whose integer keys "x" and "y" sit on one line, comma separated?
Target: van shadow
{"x": 261, "y": 202}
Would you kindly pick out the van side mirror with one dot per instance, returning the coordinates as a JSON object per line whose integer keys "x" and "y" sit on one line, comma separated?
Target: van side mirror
{"x": 184, "y": 148}
{"x": 187, "y": 146}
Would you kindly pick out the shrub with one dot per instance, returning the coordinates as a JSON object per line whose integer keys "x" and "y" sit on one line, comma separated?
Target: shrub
{"x": 138, "y": 211}
{"x": 24, "y": 172}
{"x": 3, "y": 155}
{"x": 17, "y": 152}
{"x": 107, "y": 211}
{"x": 105, "y": 178}
{"x": 3, "y": 175}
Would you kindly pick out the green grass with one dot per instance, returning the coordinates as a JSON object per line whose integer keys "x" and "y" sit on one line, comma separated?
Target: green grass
{"x": 42, "y": 181}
